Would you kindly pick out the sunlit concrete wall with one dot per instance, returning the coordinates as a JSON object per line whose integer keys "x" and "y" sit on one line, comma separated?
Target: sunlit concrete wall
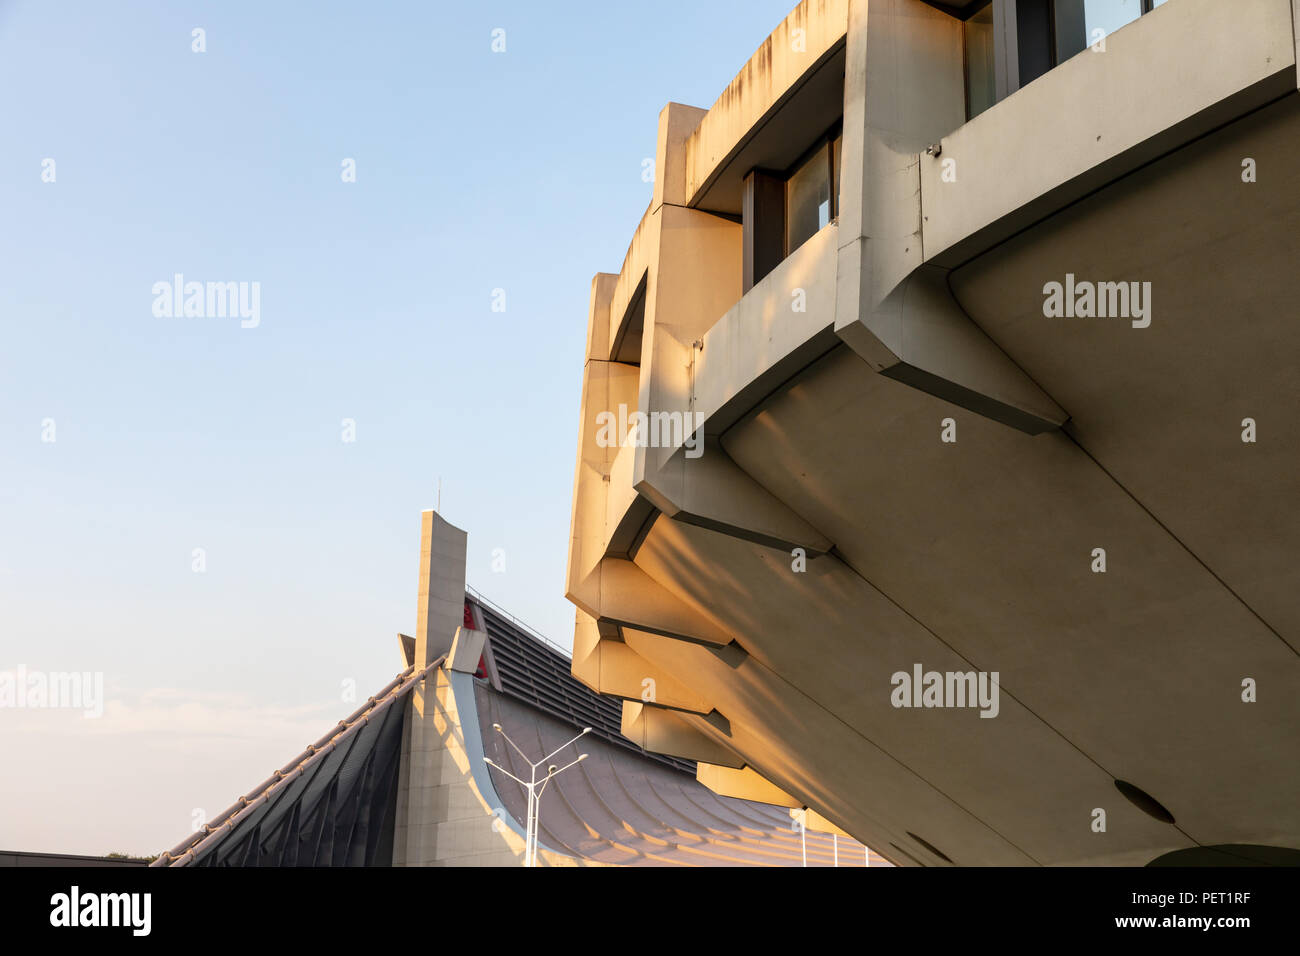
{"x": 820, "y": 429}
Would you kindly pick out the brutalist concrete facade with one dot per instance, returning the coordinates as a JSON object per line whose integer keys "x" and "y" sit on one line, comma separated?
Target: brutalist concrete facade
{"x": 1019, "y": 413}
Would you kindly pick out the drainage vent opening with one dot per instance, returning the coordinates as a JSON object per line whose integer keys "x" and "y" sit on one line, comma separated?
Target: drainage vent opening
{"x": 930, "y": 846}
{"x": 1144, "y": 801}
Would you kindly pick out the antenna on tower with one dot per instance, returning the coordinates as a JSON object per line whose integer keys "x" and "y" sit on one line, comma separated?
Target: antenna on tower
{"x": 440, "y": 494}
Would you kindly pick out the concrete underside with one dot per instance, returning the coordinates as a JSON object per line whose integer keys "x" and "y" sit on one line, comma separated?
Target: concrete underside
{"x": 977, "y": 554}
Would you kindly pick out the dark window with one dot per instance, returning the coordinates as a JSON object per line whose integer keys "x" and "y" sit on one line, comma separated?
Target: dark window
{"x": 981, "y": 84}
{"x": 808, "y": 198}
{"x": 1081, "y": 23}
{"x": 1034, "y": 39}
{"x": 783, "y": 210}
{"x": 1009, "y": 43}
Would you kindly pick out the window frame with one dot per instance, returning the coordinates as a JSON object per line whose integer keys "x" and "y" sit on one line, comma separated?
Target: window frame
{"x": 968, "y": 15}
{"x": 1006, "y": 38}
{"x": 823, "y": 143}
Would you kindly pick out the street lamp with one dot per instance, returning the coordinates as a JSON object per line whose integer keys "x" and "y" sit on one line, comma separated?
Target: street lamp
{"x": 535, "y": 787}
{"x": 799, "y": 821}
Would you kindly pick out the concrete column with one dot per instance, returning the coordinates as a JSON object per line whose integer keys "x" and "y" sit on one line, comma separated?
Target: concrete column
{"x": 441, "y": 611}
{"x": 441, "y": 588}
{"x": 903, "y": 92}
{"x": 763, "y": 222}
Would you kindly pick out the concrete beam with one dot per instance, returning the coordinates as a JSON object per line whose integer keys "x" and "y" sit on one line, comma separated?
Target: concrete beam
{"x": 920, "y": 336}
{"x": 619, "y": 592}
{"x": 711, "y": 491}
{"x": 744, "y": 784}
{"x": 900, "y": 97}
{"x": 466, "y": 650}
{"x": 664, "y": 732}
{"x": 609, "y": 666}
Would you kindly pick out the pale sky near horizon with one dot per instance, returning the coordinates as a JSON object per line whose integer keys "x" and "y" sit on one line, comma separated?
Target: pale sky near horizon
{"x": 475, "y": 171}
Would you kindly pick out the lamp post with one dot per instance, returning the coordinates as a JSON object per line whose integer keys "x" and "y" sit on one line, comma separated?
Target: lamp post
{"x": 535, "y": 787}
{"x": 799, "y": 821}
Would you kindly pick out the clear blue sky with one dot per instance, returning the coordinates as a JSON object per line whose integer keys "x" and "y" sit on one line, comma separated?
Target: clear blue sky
{"x": 519, "y": 170}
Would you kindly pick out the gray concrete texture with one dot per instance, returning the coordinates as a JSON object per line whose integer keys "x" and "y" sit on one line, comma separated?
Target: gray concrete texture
{"x": 924, "y": 303}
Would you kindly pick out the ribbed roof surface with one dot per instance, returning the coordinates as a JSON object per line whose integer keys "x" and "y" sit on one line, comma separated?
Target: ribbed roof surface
{"x": 623, "y": 805}
{"x": 533, "y": 672}
{"x": 332, "y": 805}
{"x": 618, "y": 807}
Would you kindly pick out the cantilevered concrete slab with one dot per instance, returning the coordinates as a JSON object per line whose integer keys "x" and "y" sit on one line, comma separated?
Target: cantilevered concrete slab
{"x": 1095, "y": 510}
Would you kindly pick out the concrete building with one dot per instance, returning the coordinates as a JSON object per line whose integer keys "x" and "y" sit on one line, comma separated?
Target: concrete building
{"x": 405, "y": 779}
{"x": 937, "y": 463}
